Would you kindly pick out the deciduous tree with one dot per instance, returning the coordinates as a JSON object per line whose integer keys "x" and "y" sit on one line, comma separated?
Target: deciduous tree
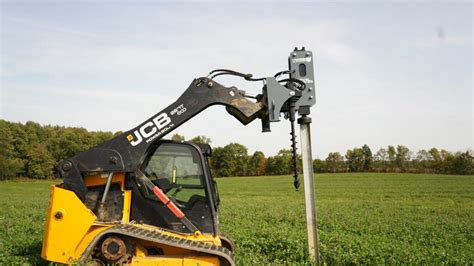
{"x": 381, "y": 158}
{"x": 355, "y": 159}
{"x": 280, "y": 164}
{"x": 319, "y": 166}
{"x": 368, "y": 159}
{"x": 462, "y": 163}
{"x": 201, "y": 140}
{"x": 335, "y": 162}
{"x": 177, "y": 137}
{"x": 391, "y": 155}
{"x": 10, "y": 165}
{"x": 402, "y": 157}
{"x": 231, "y": 160}
{"x": 257, "y": 164}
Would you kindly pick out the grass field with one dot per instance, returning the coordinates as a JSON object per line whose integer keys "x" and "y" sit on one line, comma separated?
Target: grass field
{"x": 363, "y": 218}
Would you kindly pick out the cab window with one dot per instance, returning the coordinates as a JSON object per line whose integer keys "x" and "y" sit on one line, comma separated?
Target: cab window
{"x": 177, "y": 170}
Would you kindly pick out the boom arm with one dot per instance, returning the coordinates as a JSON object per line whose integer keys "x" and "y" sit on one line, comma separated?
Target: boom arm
{"x": 124, "y": 152}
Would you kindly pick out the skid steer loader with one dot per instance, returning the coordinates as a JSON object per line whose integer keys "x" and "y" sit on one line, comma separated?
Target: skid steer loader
{"x": 140, "y": 199}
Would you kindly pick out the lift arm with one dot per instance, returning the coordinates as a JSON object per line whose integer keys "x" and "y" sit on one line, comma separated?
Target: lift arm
{"x": 125, "y": 152}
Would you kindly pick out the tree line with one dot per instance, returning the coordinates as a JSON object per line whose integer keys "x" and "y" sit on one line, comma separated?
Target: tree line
{"x": 32, "y": 150}
{"x": 397, "y": 159}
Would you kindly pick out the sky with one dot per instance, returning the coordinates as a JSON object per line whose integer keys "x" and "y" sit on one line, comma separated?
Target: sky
{"x": 387, "y": 73}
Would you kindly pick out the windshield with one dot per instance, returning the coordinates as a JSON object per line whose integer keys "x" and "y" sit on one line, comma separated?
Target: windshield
{"x": 179, "y": 171}
{"x": 176, "y": 169}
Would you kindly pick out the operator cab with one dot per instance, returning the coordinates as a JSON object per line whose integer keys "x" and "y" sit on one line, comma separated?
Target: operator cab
{"x": 181, "y": 170}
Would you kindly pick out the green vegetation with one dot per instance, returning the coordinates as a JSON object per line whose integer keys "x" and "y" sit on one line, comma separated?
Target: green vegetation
{"x": 23, "y": 206}
{"x": 363, "y": 218}
{"x": 366, "y": 218}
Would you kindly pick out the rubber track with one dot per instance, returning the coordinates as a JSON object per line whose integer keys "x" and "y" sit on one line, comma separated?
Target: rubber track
{"x": 157, "y": 237}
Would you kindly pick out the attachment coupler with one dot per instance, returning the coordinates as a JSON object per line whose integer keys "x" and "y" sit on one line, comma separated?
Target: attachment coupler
{"x": 282, "y": 98}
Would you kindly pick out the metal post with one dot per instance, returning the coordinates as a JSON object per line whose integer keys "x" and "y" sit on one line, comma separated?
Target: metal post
{"x": 107, "y": 187}
{"x": 101, "y": 212}
{"x": 310, "y": 200}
